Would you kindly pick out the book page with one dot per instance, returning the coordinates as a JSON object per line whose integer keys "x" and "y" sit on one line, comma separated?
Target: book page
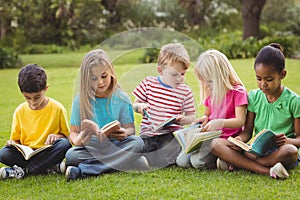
{"x": 195, "y": 138}
{"x": 28, "y": 152}
{"x": 110, "y": 126}
{"x": 239, "y": 143}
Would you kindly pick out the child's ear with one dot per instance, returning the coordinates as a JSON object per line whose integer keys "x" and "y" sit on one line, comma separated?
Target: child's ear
{"x": 160, "y": 69}
{"x": 46, "y": 88}
{"x": 283, "y": 74}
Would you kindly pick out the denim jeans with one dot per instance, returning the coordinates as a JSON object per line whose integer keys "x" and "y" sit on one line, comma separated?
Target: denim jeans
{"x": 37, "y": 164}
{"x": 161, "y": 150}
{"x": 107, "y": 156}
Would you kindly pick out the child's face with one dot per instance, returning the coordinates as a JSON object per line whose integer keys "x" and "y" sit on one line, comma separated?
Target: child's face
{"x": 101, "y": 80}
{"x": 268, "y": 80}
{"x": 172, "y": 74}
{"x": 36, "y": 100}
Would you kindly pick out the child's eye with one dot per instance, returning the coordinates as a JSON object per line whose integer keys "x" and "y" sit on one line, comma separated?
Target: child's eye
{"x": 94, "y": 78}
{"x": 37, "y": 97}
{"x": 104, "y": 75}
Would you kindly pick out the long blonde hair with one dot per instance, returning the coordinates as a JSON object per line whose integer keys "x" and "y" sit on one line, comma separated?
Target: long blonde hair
{"x": 212, "y": 65}
{"x": 94, "y": 58}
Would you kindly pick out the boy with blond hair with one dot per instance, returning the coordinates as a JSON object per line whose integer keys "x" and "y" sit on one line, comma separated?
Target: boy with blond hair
{"x": 164, "y": 97}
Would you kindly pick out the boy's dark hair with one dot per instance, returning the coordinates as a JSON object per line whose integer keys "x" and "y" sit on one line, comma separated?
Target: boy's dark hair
{"x": 271, "y": 55}
{"x": 32, "y": 78}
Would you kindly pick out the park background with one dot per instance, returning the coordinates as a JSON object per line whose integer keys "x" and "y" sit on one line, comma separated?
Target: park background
{"x": 56, "y": 34}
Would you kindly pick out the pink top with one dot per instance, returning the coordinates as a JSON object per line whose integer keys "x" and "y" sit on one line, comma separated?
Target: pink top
{"x": 233, "y": 98}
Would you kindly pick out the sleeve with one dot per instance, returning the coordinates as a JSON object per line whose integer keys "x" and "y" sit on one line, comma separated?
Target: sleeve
{"x": 295, "y": 106}
{"x": 64, "y": 124}
{"x": 140, "y": 91}
{"x": 126, "y": 112}
{"x": 251, "y": 97}
{"x": 75, "y": 113}
{"x": 189, "y": 104}
{"x": 15, "y": 127}
{"x": 240, "y": 97}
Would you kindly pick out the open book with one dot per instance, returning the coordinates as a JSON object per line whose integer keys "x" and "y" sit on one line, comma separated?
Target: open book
{"x": 191, "y": 138}
{"x": 165, "y": 123}
{"x": 28, "y": 152}
{"x": 93, "y": 128}
{"x": 259, "y": 145}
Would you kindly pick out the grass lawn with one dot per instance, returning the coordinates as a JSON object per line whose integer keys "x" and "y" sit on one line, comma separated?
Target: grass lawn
{"x": 169, "y": 183}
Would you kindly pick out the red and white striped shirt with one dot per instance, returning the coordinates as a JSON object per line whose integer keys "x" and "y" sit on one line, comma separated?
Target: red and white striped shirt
{"x": 164, "y": 102}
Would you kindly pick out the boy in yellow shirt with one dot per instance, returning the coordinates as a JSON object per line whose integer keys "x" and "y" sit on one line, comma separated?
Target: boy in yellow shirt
{"x": 37, "y": 122}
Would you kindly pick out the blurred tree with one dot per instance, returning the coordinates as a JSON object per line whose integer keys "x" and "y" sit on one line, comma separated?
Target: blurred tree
{"x": 251, "y": 11}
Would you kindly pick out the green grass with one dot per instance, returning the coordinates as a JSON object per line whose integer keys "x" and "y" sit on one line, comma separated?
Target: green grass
{"x": 169, "y": 183}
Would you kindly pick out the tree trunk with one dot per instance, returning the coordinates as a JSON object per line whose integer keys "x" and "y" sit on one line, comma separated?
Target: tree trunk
{"x": 251, "y": 10}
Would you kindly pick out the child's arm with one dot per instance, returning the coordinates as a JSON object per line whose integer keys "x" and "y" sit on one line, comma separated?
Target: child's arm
{"x": 139, "y": 106}
{"x": 123, "y": 132}
{"x": 78, "y": 137}
{"x": 187, "y": 119}
{"x": 237, "y": 122}
{"x": 53, "y": 137}
{"x": 295, "y": 141}
{"x": 10, "y": 142}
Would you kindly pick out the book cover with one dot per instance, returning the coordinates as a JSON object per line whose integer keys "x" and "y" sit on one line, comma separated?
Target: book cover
{"x": 165, "y": 123}
{"x": 191, "y": 138}
{"x": 259, "y": 145}
{"x": 28, "y": 152}
{"x": 92, "y": 128}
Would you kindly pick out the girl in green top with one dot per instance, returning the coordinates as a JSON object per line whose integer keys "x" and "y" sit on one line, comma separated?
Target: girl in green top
{"x": 273, "y": 107}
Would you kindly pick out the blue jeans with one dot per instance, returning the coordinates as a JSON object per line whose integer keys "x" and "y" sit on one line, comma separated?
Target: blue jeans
{"x": 39, "y": 163}
{"x": 161, "y": 150}
{"x": 103, "y": 157}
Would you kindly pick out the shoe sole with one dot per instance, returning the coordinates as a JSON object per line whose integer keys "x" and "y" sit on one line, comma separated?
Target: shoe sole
{"x": 67, "y": 174}
{"x": 2, "y": 173}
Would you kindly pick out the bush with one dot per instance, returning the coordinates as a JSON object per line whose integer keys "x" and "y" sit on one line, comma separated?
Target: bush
{"x": 234, "y": 47}
{"x": 42, "y": 49}
{"x": 9, "y": 58}
{"x": 150, "y": 55}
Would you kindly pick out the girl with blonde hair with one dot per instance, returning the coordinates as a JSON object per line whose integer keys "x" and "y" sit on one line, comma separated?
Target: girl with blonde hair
{"x": 225, "y": 100}
{"x": 101, "y": 100}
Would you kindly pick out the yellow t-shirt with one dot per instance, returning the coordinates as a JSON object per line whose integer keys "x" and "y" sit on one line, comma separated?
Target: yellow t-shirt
{"x": 32, "y": 127}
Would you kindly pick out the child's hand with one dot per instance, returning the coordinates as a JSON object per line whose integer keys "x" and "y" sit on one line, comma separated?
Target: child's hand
{"x": 85, "y": 137}
{"x": 10, "y": 142}
{"x": 118, "y": 134}
{"x": 51, "y": 139}
{"x": 140, "y": 107}
{"x": 202, "y": 120}
{"x": 233, "y": 146}
{"x": 178, "y": 119}
{"x": 213, "y": 125}
{"x": 280, "y": 139}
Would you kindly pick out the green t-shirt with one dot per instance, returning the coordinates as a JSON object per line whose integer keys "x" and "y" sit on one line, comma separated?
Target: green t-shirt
{"x": 277, "y": 116}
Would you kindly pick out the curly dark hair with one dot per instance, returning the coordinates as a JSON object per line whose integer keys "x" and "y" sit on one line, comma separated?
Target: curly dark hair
{"x": 32, "y": 78}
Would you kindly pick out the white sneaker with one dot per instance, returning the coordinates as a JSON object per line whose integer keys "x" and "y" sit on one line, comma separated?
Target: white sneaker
{"x": 59, "y": 168}
{"x": 222, "y": 165}
{"x": 278, "y": 171}
{"x": 11, "y": 172}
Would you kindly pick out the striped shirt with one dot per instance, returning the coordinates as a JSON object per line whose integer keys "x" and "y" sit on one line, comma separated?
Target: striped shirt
{"x": 164, "y": 102}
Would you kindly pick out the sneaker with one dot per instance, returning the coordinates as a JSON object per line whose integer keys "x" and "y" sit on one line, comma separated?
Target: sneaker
{"x": 142, "y": 163}
{"x": 59, "y": 168}
{"x": 223, "y": 165}
{"x": 11, "y": 172}
{"x": 72, "y": 173}
{"x": 278, "y": 171}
